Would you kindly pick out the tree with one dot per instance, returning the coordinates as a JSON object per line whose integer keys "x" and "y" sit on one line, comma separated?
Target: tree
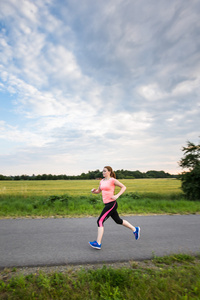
{"x": 191, "y": 179}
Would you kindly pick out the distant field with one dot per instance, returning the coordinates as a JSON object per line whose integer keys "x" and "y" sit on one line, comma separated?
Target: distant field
{"x": 73, "y": 198}
{"x": 83, "y": 187}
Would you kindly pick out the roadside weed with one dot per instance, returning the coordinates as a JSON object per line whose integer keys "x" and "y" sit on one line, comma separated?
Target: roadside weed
{"x": 179, "y": 278}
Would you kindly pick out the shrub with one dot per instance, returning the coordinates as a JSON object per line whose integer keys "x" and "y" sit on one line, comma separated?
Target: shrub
{"x": 191, "y": 179}
{"x": 55, "y": 198}
{"x": 191, "y": 184}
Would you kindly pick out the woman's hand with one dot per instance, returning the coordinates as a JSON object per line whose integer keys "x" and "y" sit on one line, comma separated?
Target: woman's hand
{"x": 96, "y": 191}
{"x": 114, "y": 197}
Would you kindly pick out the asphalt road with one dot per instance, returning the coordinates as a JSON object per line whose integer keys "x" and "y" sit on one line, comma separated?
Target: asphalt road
{"x": 48, "y": 242}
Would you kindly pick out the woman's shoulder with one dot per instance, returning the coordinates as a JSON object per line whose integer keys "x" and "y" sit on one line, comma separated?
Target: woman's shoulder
{"x": 112, "y": 179}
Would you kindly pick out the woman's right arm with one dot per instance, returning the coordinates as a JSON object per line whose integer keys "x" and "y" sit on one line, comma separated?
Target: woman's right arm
{"x": 96, "y": 191}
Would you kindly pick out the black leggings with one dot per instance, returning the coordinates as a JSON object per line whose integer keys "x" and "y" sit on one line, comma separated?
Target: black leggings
{"x": 110, "y": 210}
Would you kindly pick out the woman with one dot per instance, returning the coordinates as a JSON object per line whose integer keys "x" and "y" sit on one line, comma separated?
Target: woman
{"x": 107, "y": 187}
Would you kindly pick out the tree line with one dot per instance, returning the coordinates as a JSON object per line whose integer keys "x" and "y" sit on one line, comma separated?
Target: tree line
{"x": 97, "y": 174}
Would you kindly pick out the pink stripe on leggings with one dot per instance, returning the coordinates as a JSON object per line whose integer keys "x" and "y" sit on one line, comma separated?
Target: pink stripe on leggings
{"x": 104, "y": 216}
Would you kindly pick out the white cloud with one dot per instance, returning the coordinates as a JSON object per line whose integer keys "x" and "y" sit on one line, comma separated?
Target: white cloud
{"x": 96, "y": 82}
{"x": 61, "y": 64}
{"x": 22, "y": 136}
{"x": 187, "y": 87}
{"x": 152, "y": 92}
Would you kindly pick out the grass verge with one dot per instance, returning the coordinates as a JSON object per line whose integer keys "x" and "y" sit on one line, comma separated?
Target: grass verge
{"x": 83, "y": 206}
{"x": 170, "y": 277}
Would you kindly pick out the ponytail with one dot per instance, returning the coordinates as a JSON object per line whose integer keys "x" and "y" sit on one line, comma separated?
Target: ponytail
{"x": 112, "y": 173}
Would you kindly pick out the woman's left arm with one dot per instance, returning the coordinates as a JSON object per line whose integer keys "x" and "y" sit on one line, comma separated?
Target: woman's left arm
{"x": 123, "y": 188}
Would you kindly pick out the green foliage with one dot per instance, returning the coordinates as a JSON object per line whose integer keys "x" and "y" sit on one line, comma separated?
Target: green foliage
{"x": 94, "y": 200}
{"x": 191, "y": 157}
{"x": 57, "y": 198}
{"x": 191, "y": 184}
{"x": 168, "y": 260}
{"x": 132, "y": 195}
{"x": 170, "y": 277}
{"x": 191, "y": 179}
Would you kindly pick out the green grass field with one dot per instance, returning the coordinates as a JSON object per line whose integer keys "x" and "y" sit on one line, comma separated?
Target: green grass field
{"x": 73, "y": 198}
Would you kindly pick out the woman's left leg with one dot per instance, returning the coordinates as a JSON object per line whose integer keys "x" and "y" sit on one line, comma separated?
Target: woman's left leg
{"x": 100, "y": 234}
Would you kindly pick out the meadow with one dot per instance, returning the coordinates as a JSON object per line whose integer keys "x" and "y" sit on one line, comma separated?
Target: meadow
{"x": 72, "y": 198}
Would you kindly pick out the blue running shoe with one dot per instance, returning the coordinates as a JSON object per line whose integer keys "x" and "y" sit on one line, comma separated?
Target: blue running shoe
{"x": 137, "y": 233}
{"x": 95, "y": 245}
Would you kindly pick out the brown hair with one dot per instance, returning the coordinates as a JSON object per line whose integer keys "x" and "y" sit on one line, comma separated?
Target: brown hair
{"x": 112, "y": 173}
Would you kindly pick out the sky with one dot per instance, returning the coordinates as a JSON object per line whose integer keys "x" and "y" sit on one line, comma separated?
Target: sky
{"x": 85, "y": 84}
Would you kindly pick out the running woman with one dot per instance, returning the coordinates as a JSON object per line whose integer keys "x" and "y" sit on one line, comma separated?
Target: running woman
{"x": 107, "y": 187}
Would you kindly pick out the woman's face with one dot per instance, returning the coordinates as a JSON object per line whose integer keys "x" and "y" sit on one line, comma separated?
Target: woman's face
{"x": 106, "y": 173}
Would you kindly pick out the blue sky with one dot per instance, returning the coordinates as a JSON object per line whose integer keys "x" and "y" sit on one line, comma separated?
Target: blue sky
{"x": 85, "y": 84}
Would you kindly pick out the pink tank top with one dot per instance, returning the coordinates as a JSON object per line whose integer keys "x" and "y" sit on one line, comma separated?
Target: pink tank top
{"x": 107, "y": 188}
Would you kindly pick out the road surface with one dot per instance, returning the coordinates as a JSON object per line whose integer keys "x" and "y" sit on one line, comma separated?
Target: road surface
{"x": 48, "y": 242}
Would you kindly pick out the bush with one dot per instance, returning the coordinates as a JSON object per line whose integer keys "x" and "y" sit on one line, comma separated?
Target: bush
{"x": 191, "y": 184}
{"x": 55, "y": 198}
{"x": 191, "y": 179}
